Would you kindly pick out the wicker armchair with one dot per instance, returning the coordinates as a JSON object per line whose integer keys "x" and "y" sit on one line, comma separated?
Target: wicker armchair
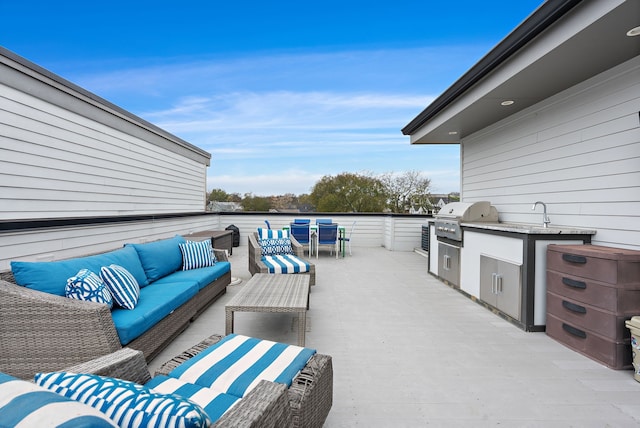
{"x": 44, "y": 332}
{"x": 265, "y": 406}
{"x": 255, "y": 257}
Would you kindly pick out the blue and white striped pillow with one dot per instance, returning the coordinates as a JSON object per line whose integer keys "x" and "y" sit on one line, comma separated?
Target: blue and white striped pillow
{"x": 197, "y": 254}
{"x": 123, "y": 286}
{"x": 88, "y": 286}
{"x": 272, "y": 233}
{"x": 126, "y": 403}
{"x": 25, "y": 404}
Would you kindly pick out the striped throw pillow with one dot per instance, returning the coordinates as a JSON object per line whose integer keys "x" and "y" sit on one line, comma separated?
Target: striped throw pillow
{"x": 197, "y": 254}
{"x": 237, "y": 363}
{"x": 272, "y": 233}
{"x": 25, "y": 404}
{"x": 88, "y": 286}
{"x": 123, "y": 286}
{"x": 126, "y": 403}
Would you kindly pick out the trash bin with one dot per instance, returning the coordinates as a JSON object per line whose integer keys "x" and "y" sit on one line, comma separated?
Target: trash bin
{"x": 634, "y": 326}
{"x": 236, "y": 234}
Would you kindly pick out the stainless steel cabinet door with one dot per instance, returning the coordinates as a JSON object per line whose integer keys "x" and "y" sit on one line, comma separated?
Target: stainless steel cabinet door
{"x": 501, "y": 285}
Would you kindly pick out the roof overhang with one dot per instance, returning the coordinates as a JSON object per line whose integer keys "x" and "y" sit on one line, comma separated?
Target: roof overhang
{"x": 561, "y": 44}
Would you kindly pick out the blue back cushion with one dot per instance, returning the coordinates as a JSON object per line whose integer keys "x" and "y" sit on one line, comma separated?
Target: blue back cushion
{"x": 51, "y": 277}
{"x": 160, "y": 258}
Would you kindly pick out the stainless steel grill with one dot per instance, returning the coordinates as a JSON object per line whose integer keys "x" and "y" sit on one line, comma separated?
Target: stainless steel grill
{"x": 448, "y": 219}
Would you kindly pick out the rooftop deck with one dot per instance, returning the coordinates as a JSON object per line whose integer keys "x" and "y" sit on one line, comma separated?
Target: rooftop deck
{"x": 409, "y": 351}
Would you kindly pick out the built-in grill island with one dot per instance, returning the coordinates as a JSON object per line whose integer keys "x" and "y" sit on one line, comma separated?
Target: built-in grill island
{"x": 449, "y": 234}
{"x": 501, "y": 266}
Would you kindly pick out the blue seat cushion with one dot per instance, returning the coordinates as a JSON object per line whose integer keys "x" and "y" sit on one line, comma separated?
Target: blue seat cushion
{"x": 214, "y": 403}
{"x": 156, "y": 302}
{"x": 202, "y": 276}
{"x": 51, "y": 277}
{"x": 237, "y": 363}
{"x": 160, "y": 258}
{"x": 24, "y": 403}
{"x": 285, "y": 263}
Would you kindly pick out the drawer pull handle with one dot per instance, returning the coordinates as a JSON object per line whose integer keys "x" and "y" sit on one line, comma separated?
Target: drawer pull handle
{"x": 573, "y": 283}
{"x": 572, "y": 258}
{"x": 574, "y": 308}
{"x": 574, "y": 331}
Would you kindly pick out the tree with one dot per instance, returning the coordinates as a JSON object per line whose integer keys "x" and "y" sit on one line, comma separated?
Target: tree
{"x": 218, "y": 195}
{"x": 348, "y": 192}
{"x": 255, "y": 203}
{"x": 407, "y": 190}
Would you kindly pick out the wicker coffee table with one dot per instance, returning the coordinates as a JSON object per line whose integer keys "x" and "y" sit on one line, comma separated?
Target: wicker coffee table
{"x": 266, "y": 292}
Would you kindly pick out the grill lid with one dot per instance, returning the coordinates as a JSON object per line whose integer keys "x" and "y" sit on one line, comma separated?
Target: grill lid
{"x": 481, "y": 211}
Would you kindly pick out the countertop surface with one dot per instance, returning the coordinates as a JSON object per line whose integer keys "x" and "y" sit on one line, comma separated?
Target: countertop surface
{"x": 531, "y": 229}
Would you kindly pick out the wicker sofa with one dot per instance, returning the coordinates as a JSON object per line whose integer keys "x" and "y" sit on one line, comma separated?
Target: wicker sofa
{"x": 256, "y": 264}
{"x": 40, "y": 331}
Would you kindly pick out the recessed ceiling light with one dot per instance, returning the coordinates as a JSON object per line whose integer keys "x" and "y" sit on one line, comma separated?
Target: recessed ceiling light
{"x": 634, "y": 32}
{"x": 453, "y": 132}
{"x": 507, "y": 102}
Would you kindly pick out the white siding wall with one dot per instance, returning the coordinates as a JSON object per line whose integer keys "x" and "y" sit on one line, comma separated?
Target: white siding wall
{"x": 579, "y": 152}
{"x": 55, "y": 163}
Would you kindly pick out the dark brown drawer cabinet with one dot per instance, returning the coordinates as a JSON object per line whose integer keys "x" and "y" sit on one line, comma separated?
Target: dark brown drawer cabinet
{"x": 591, "y": 291}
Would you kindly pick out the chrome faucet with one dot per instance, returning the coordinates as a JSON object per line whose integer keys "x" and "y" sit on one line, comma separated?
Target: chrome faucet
{"x": 545, "y": 217}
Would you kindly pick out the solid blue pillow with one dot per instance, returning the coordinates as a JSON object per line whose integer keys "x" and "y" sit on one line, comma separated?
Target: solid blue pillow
{"x": 160, "y": 258}
{"x": 51, "y": 277}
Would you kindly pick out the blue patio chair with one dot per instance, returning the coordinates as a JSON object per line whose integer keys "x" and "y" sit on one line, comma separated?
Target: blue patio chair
{"x": 328, "y": 235}
{"x": 324, "y": 221}
{"x": 302, "y": 221}
{"x": 347, "y": 238}
{"x": 302, "y": 233}
{"x": 267, "y": 223}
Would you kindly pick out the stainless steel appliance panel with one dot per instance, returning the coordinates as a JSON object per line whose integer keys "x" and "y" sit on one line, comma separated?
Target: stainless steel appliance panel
{"x": 449, "y": 263}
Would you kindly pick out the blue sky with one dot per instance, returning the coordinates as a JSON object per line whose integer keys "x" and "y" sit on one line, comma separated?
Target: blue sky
{"x": 280, "y": 93}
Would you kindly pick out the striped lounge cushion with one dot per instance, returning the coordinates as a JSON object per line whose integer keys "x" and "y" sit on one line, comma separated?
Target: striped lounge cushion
{"x": 214, "y": 403}
{"x": 285, "y": 263}
{"x": 25, "y": 404}
{"x": 237, "y": 363}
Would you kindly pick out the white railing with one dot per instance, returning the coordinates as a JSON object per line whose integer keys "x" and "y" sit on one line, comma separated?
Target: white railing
{"x": 393, "y": 232}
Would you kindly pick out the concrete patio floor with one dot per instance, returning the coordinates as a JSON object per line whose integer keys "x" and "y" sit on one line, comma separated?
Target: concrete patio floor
{"x": 408, "y": 351}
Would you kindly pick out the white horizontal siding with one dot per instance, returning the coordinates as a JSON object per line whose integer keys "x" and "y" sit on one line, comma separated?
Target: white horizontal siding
{"x": 55, "y": 163}
{"x": 579, "y": 152}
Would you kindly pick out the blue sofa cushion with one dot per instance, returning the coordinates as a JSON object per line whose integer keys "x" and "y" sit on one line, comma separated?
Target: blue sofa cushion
{"x": 88, "y": 286}
{"x": 51, "y": 277}
{"x": 24, "y": 403}
{"x": 203, "y": 276}
{"x": 160, "y": 258}
{"x": 126, "y": 403}
{"x": 214, "y": 403}
{"x": 156, "y": 302}
{"x": 237, "y": 363}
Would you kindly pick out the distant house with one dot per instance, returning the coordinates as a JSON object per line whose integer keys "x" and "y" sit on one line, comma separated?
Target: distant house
{"x": 552, "y": 114}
